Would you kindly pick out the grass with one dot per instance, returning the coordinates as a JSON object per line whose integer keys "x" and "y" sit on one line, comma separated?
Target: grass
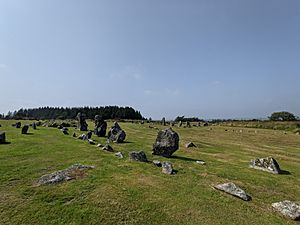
{"x": 119, "y": 191}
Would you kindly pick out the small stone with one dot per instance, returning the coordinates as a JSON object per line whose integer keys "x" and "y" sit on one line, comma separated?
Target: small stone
{"x": 83, "y": 137}
{"x": 167, "y": 168}
{"x": 157, "y": 163}
{"x": 190, "y": 145}
{"x": 234, "y": 190}
{"x": 108, "y": 148}
{"x": 138, "y": 156}
{"x": 100, "y": 145}
{"x": 119, "y": 154}
{"x": 288, "y": 209}
{"x": 200, "y": 162}
{"x": 74, "y": 135}
{"x": 92, "y": 142}
{"x": 18, "y": 125}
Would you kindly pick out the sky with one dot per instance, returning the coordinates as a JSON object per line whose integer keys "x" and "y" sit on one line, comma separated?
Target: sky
{"x": 165, "y": 58}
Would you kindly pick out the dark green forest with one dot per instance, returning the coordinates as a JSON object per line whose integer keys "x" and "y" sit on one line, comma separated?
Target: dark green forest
{"x": 107, "y": 112}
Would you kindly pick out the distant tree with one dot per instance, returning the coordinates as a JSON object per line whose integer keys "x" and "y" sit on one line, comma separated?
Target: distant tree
{"x": 282, "y": 116}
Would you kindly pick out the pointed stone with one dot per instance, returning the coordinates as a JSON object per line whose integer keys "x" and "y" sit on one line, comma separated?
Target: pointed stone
{"x": 268, "y": 164}
{"x": 234, "y": 190}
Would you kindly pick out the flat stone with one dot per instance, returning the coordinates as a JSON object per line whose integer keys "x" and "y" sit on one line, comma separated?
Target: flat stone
{"x": 108, "y": 148}
{"x": 119, "y": 154}
{"x": 100, "y": 145}
{"x": 73, "y": 172}
{"x": 233, "y": 190}
{"x": 288, "y": 209}
{"x": 91, "y": 142}
{"x": 138, "y": 156}
{"x": 200, "y": 162}
{"x": 167, "y": 168}
{"x": 268, "y": 164}
{"x": 190, "y": 145}
{"x": 157, "y": 163}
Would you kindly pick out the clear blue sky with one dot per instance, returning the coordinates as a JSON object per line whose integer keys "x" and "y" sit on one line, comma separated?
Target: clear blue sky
{"x": 204, "y": 58}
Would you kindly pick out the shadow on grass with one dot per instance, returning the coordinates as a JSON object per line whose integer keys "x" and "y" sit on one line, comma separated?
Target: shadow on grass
{"x": 28, "y": 134}
{"x": 183, "y": 158}
{"x": 5, "y": 143}
{"x": 284, "y": 172}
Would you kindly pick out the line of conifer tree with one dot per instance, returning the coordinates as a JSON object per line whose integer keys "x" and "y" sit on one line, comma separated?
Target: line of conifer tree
{"x": 108, "y": 112}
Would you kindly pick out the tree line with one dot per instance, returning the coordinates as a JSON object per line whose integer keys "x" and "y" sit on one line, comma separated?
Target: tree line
{"x": 107, "y": 112}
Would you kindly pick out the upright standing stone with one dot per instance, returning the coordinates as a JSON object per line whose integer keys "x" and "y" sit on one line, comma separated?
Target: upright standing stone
{"x": 100, "y": 126}
{"x": 180, "y": 123}
{"x": 34, "y": 125}
{"x": 18, "y": 125}
{"x": 25, "y": 129}
{"x": 82, "y": 125}
{"x": 2, "y": 138}
{"x": 167, "y": 142}
{"x": 163, "y": 121}
{"x": 116, "y": 134}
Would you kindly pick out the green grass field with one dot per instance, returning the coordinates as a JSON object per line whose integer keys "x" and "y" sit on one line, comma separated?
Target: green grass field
{"x": 119, "y": 191}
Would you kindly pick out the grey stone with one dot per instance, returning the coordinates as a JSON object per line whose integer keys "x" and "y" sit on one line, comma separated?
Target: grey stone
{"x": 157, "y": 163}
{"x": 288, "y": 209}
{"x": 70, "y": 173}
{"x": 119, "y": 154}
{"x": 167, "y": 142}
{"x": 34, "y": 125}
{"x": 234, "y": 190}
{"x": 116, "y": 134}
{"x": 167, "y": 168}
{"x": 82, "y": 125}
{"x": 200, "y": 162}
{"x": 89, "y": 134}
{"x": 163, "y": 121}
{"x": 100, "y": 145}
{"x": 2, "y": 138}
{"x": 138, "y": 156}
{"x": 190, "y": 145}
{"x": 179, "y": 123}
{"x": 268, "y": 164}
{"x": 100, "y": 126}
{"x": 83, "y": 137}
{"x": 91, "y": 142}
{"x": 25, "y": 129}
{"x": 108, "y": 148}
{"x": 18, "y": 125}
